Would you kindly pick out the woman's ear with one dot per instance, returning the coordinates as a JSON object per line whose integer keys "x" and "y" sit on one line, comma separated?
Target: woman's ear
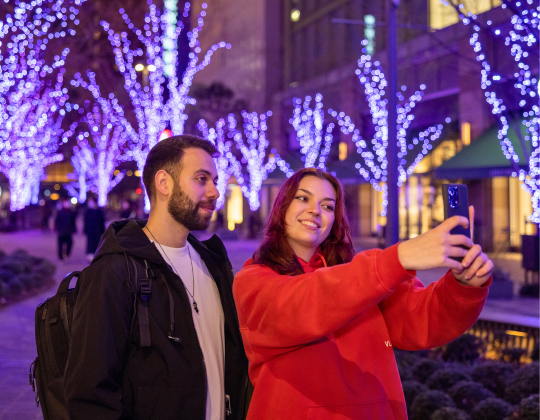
{"x": 164, "y": 183}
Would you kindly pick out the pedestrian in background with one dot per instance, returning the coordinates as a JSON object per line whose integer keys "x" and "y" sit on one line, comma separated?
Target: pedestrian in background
{"x": 94, "y": 226}
{"x": 65, "y": 227}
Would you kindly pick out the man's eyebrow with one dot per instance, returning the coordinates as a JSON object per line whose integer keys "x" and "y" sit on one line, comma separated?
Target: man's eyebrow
{"x": 310, "y": 193}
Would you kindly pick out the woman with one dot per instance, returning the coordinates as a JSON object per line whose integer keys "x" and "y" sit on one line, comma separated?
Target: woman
{"x": 319, "y": 323}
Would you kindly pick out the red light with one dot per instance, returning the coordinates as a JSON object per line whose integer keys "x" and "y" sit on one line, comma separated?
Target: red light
{"x": 165, "y": 134}
{"x": 138, "y": 191}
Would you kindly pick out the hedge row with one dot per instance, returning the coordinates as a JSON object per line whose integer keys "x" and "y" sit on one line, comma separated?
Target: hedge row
{"x": 455, "y": 383}
{"x": 21, "y": 272}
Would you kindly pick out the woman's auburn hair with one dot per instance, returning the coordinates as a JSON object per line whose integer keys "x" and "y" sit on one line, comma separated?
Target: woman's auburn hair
{"x": 275, "y": 251}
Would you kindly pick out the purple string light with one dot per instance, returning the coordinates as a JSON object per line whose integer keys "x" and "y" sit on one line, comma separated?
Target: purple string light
{"x": 522, "y": 35}
{"x": 31, "y": 107}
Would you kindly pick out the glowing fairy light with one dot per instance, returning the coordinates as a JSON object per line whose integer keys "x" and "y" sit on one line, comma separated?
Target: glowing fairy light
{"x": 101, "y": 141}
{"x": 227, "y": 165}
{"x": 374, "y": 152}
{"x": 521, "y": 36}
{"x": 169, "y": 42}
{"x": 252, "y": 143}
{"x": 31, "y": 108}
{"x": 152, "y": 113}
{"x": 308, "y": 124}
{"x": 179, "y": 89}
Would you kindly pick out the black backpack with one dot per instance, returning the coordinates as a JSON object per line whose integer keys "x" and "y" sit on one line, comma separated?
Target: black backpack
{"x": 53, "y": 336}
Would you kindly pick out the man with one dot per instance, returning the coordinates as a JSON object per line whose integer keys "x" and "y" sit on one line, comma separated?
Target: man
{"x": 185, "y": 358}
{"x": 64, "y": 224}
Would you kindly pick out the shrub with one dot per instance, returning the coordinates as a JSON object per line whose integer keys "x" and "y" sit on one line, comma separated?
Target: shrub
{"x": 20, "y": 271}
{"x": 529, "y": 408}
{"x": 44, "y": 268}
{"x": 513, "y": 355}
{"x": 426, "y": 403}
{"x": 5, "y": 274}
{"x": 446, "y": 378}
{"x": 14, "y": 265}
{"x": 529, "y": 290}
{"x": 4, "y": 290}
{"x": 491, "y": 409}
{"x": 522, "y": 384}
{"x": 405, "y": 360}
{"x": 466, "y": 394}
{"x": 493, "y": 375}
{"x": 30, "y": 280}
{"x": 411, "y": 389}
{"x": 465, "y": 349}
{"x": 536, "y": 352}
{"x": 424, "y": 368}
{"x": 15, "y": 286}
{"x": 449, "y": 413}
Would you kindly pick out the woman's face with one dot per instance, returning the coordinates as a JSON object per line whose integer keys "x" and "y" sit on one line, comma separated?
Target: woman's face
{"x": 310, "y": 216}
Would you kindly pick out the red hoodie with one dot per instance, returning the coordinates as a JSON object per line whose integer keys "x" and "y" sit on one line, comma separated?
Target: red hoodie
{"x": 320, "y": 343}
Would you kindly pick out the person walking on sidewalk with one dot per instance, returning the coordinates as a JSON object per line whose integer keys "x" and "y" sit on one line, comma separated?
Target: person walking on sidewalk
{"x": 184, "y": 359}
{"x": 94, "y": 226}
{"x": 64, "y": 225}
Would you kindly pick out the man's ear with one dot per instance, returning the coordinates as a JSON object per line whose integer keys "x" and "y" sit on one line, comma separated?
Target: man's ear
{"x": 164, "y": 183}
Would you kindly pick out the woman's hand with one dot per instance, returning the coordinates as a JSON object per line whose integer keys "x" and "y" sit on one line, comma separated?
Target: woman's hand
{"x": 436, "y": 247}
{"x": 476, "y": 267}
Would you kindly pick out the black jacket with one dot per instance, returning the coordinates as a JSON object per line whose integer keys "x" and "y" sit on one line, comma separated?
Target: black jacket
{"x": 65, "y": 222}
{"x": 108, "y": 375}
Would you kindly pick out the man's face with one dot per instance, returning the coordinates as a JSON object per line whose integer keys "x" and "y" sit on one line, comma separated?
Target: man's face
{"x": 194, "y": 194}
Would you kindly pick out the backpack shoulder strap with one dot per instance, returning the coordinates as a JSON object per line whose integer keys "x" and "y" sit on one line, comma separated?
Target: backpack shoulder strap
{"x": 143, "y": 289}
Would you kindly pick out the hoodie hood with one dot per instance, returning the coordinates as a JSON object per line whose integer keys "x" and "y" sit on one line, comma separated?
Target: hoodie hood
{"x": 316, "y": 261}
{"x": 127, "y": 236}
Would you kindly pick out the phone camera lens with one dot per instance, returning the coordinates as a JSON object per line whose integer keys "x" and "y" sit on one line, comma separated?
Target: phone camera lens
{"x": 453, "y": 197}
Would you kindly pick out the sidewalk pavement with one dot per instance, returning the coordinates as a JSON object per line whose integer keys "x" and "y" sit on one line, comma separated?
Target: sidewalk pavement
{"x": 17, "y": 341}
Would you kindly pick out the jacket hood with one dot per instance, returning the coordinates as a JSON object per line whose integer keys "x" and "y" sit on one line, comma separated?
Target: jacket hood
{"x": 127, "y": 236}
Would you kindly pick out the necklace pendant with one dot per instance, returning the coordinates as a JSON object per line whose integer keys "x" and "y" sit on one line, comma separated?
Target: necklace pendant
{"x": 195, "y": 306}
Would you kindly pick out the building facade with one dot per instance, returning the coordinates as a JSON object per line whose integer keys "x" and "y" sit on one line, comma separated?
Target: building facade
{"x": 282, "y": 49}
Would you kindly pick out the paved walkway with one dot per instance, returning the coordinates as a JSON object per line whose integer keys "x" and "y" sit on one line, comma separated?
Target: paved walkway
{"x": 17, "y": 341}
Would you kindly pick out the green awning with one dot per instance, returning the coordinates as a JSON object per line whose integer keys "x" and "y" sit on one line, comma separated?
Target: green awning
{"x": 484, "y": 158}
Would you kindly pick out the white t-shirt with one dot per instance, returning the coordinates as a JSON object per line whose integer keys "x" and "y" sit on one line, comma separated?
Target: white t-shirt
{"x": 208, "y": 323}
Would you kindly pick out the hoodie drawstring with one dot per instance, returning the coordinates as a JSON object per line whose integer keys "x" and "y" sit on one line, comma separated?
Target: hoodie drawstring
{"x": 323, "y": 260}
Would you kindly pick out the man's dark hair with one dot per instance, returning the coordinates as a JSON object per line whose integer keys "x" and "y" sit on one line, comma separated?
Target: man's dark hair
{"x": 167, "y": 155}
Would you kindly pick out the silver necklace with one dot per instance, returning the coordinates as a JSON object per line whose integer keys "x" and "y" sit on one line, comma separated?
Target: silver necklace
{"x": 176, "y": 272}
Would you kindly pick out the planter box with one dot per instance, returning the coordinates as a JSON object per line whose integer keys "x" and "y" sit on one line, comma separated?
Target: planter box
{"x": 501, "y": 290}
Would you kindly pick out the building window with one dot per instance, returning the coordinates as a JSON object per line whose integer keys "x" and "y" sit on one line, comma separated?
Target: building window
{"x": 441, "y": 16}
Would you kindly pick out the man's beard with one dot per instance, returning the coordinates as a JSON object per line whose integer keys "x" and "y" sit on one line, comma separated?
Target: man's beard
{"x": 186, "y": 212}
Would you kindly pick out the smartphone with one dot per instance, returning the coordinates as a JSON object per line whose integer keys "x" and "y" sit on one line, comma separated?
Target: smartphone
{"x": 456, "y": 203}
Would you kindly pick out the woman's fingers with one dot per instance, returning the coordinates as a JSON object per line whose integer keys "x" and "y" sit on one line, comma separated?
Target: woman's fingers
{"x": 471, "y": 255}
{"x": 460, "y": 240}
{"x": 453, "y": 222}
{"x": 472, "y": 270}
{"x": 486, "y": 269}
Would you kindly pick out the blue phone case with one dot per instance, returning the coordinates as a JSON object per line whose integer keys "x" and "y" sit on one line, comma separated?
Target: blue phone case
{"x": 456, "y": 203}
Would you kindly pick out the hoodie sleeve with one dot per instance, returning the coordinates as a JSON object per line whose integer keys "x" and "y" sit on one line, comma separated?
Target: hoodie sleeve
{"x": 421, "y": 318}
{"x": 100, "y": 336}
{"x": 278, "y": 312}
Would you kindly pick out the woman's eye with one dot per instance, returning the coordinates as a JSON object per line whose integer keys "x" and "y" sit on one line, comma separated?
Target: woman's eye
{"x": 301, "y": 198}
{"x": 201, "y": 179}
{"x": 330, "y": 208}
